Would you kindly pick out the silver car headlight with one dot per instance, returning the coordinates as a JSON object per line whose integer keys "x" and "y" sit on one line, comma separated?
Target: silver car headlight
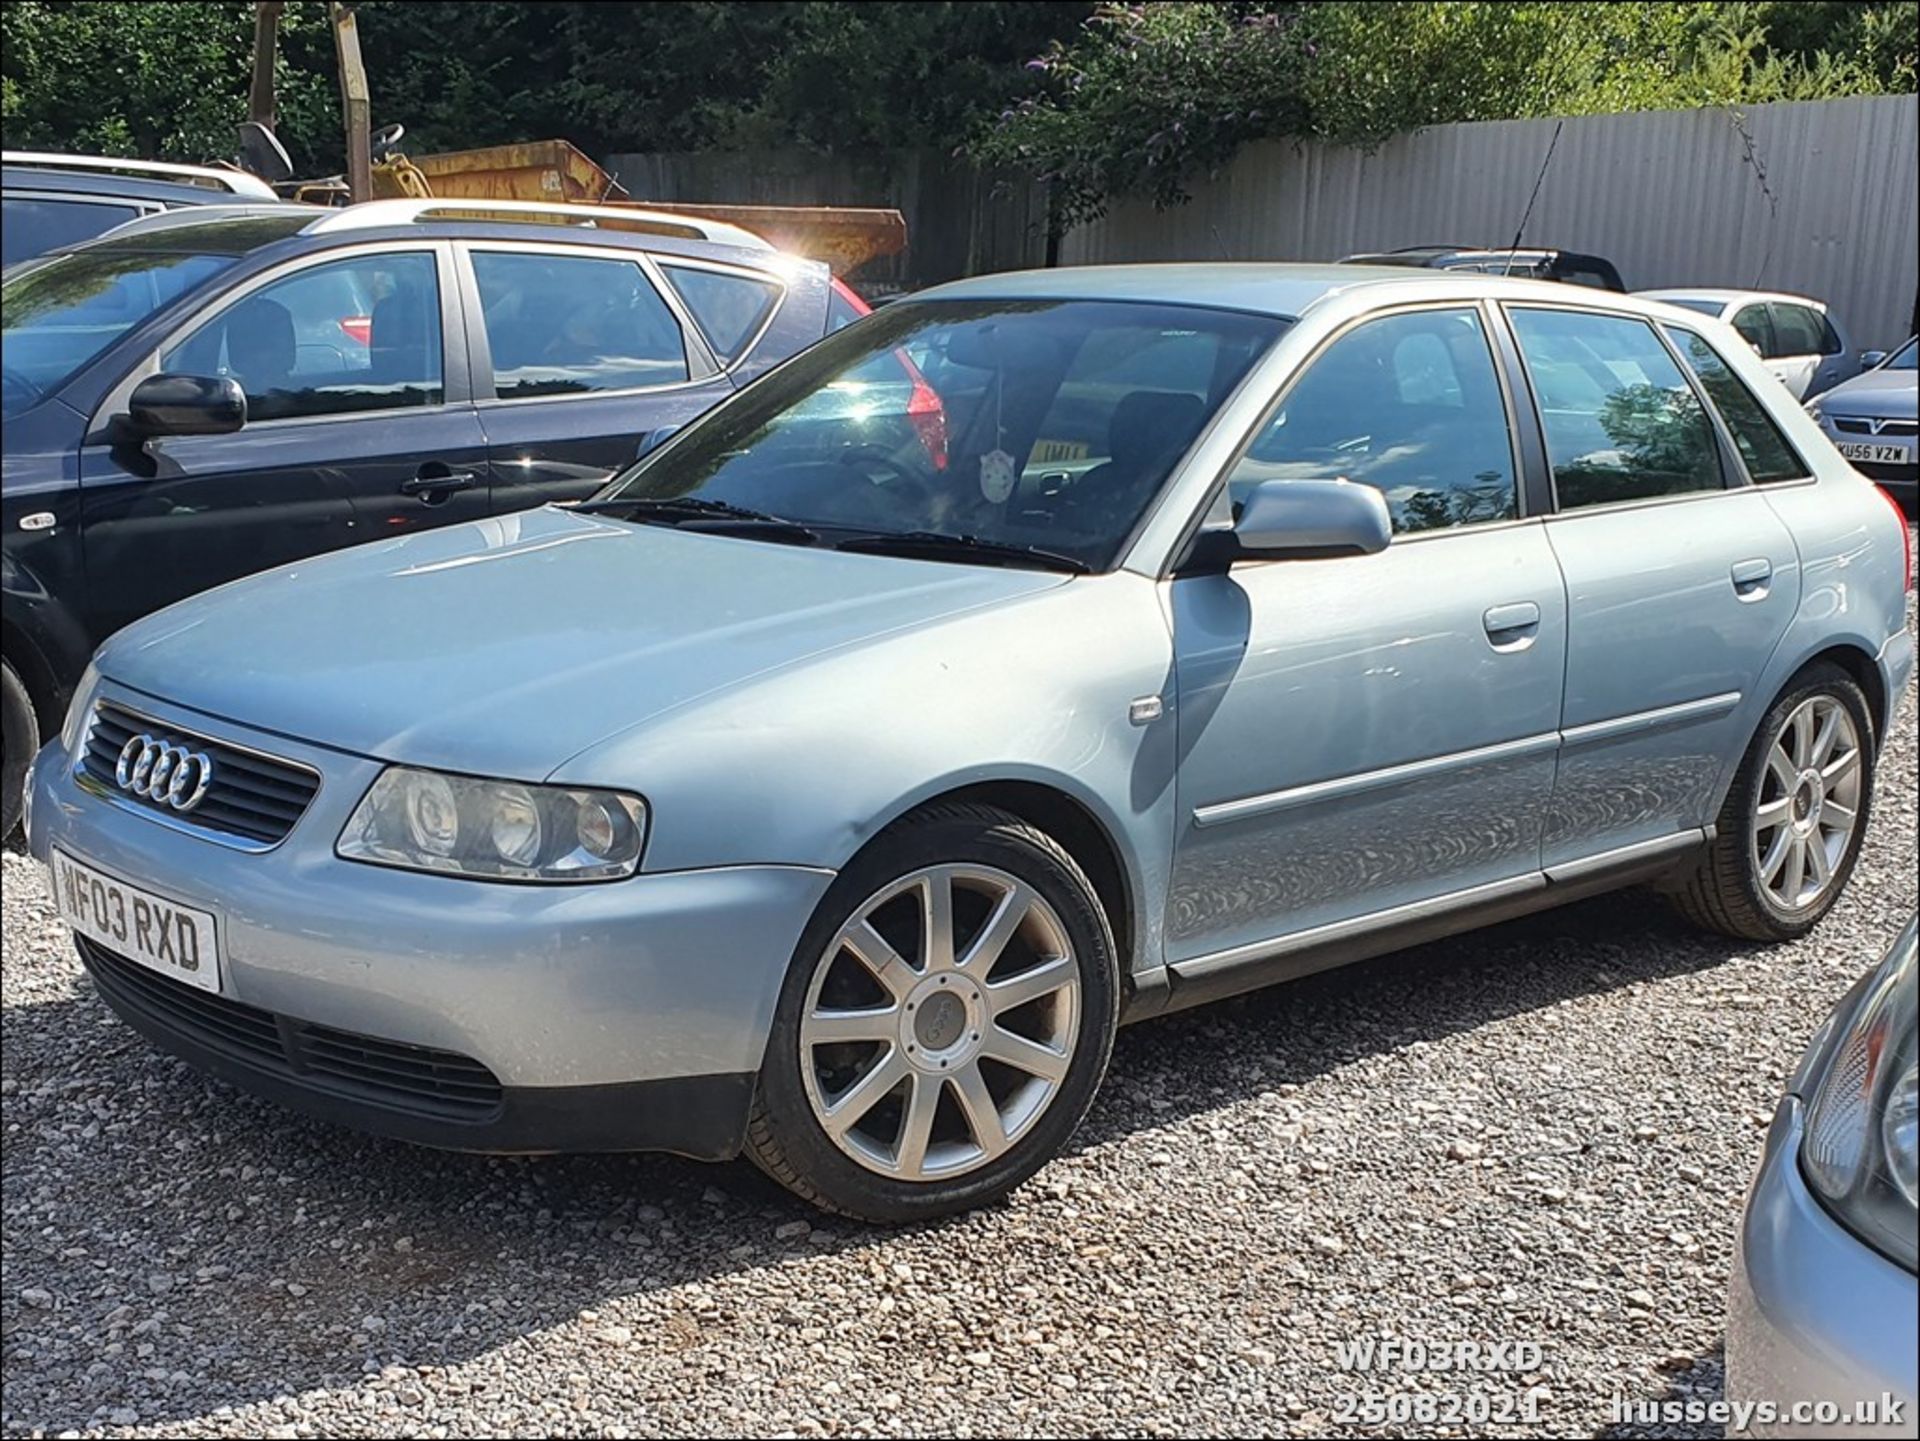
{"x": 1815, "y": 413}
{"x": 495, "y": 830}
{"x": 1860, "y": 1150}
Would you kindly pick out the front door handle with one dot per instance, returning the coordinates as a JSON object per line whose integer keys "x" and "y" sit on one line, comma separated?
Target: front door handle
{"x": 434, "y": 482}
{"x": 1752, "y": 578}
{"x": 1514, "y": 626}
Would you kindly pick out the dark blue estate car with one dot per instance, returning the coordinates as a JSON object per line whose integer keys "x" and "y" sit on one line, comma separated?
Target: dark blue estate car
{"x": 205, "y": 393}
{"x": 55, "y": 200}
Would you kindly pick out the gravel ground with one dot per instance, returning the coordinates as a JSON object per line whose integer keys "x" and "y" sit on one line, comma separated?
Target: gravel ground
{"x": 1538, "y": 1133}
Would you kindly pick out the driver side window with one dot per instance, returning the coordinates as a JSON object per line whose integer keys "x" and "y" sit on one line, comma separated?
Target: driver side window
{"x": 1409, "y": 404}
{"x": 349, "y": 335}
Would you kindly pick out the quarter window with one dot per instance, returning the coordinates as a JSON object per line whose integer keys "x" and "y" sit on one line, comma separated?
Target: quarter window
{"x": 1409, "y": 404}
{"x": 730, "y": 308}
{"x": 1621, "y": 421}
{"x": 1768, "y": 456}
{"x": 350, "y": 335}
{"x": 566, "y": 325}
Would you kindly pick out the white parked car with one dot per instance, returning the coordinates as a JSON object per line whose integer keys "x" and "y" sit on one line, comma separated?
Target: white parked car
{"x": 1797, "y": 337}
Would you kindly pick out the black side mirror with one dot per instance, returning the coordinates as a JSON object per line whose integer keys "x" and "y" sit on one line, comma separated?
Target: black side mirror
{"x": 186, "y": 405}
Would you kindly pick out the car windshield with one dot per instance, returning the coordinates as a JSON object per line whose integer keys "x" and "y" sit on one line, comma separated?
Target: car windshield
{"x": 1705, "y": 307}
{"x": 966, "y": 429}
{"x": 1903, "y": 358}
{"x": 62, "y": 312}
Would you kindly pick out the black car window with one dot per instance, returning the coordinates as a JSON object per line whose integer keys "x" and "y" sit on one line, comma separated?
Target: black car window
{"x": 35, "y": 224}
{"x": 841, "y": 312}
{"x": 571, "y": 324}
{"x": 1621, "y": 421}
{"x": 1756, "y": 326}
{"x": 64, "y": 311}
{"x": 1761, "y": 444}
{"x": 1799, "y": 330}
{"x": 1409, "y": 404}
{"x": 348, "y": 335}
{"x": 728, "y": 307}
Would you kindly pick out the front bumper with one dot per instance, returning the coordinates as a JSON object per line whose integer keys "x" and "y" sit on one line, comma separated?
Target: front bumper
{"x": 626, "y": 1015}
{"x": 1814, "y": 1314}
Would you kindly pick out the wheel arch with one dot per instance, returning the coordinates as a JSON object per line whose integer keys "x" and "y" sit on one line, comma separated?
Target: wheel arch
{"x": 1071, "y": 821}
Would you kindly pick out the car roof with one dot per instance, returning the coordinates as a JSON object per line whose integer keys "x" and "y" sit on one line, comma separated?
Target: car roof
{"x": 1727, "y": 297}
{"x": 16, "y": 178}
{"x": 243, "y": 229}
{"x": 82, "y": 173}
{"x": 1265, "y": 288}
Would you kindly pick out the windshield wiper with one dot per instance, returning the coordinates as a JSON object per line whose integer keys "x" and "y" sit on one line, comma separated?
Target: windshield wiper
{"x": 934, "y": 544}
{"x": 683, "y": 509}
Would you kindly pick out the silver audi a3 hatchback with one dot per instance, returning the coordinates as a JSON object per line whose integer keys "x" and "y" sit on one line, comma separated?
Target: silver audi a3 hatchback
{"x": 1042, "y": 652}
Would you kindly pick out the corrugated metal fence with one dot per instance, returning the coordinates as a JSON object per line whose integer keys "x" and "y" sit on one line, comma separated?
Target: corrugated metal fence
{"x": 1819, "y": 197}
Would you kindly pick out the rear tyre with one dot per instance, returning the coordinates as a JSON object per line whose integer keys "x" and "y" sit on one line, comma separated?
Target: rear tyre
{"x": 945, "y": 1024}
{"x": 19, "y": 739}
{"x": 1793, "y": 823}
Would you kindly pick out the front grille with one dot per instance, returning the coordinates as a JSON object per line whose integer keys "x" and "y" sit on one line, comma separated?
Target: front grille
{"x": 416, "y": 1079}
{"x": 252, "y": 797}
{"x": 1854, "y": 426}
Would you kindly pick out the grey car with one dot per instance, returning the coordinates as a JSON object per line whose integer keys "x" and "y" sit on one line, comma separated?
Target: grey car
{"x": 1824, "y": 1317}
{"x": 1874, "y": 421}
{"x": 832, "y": 785}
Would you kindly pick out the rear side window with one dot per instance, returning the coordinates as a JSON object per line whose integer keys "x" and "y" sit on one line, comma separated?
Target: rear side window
{"x": 728, "y": 307}
{"x": 843, "y": 308}
{"x": 569, "y": 325}
{"x": 350, "y": 335}
{"x": 35, "y": 224}
{"x": 1769, "y": 457}
{"x": 1621, "y": 421}
{"x": 1802, "y": 330}
{"x": 1408, "y": 404}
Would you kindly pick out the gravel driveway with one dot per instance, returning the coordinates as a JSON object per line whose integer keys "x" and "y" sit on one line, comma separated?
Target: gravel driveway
{"x": 1538, "y": 1133}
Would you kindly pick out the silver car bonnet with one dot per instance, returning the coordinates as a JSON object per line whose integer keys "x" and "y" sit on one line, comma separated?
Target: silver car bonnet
{"x": 504, "y": 646}
{"x": 1882, "y": 394}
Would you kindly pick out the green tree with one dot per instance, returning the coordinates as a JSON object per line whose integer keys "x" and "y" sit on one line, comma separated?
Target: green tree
{"x": 1147, "y": 97}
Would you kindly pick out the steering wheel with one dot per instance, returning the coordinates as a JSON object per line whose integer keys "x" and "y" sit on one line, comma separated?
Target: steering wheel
{"x": 384, "y": 139}
{"x": 897, "y": 475}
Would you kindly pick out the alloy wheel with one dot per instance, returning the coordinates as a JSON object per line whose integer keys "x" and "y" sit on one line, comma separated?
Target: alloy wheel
{"x": 940, "y": 1022}
{"x": 1809, "y": 803}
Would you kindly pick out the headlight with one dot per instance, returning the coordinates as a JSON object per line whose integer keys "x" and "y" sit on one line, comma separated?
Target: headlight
{"x": 1858, "y": 1150}
{"x": 499, "y": 830}
{"x": 1815, "y": 413}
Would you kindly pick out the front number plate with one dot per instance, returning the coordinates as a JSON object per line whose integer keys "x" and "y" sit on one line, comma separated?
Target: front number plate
{"x": 1877, "y": 454}
{"x": 161, "y": 935}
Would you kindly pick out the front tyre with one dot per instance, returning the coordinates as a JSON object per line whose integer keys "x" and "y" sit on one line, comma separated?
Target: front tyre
{"x": 19, "y": 738}
{"x": 945, "y": 1024}
{"x": 1793, "y": 823}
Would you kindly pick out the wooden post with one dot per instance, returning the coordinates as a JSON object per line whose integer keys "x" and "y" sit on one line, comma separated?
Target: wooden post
{"x": 355, "y": 103}
{"x": 261, "y": 107}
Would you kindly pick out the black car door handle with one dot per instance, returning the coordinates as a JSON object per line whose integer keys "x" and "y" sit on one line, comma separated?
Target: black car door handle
{"x": 438, "y": 480}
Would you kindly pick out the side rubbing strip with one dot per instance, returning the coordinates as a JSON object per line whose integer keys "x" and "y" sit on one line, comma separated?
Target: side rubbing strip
{"x": 1342, "y": 786}
{"x": 1647, "y": 720}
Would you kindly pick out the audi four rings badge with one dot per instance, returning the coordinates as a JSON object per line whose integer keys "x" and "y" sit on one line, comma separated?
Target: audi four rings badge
{"x": 165, "y": 773}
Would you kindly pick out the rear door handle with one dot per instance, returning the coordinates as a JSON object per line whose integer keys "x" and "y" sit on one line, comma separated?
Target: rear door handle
{"x": 1752, "y": 578}
{"x": 435, "y": 480}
